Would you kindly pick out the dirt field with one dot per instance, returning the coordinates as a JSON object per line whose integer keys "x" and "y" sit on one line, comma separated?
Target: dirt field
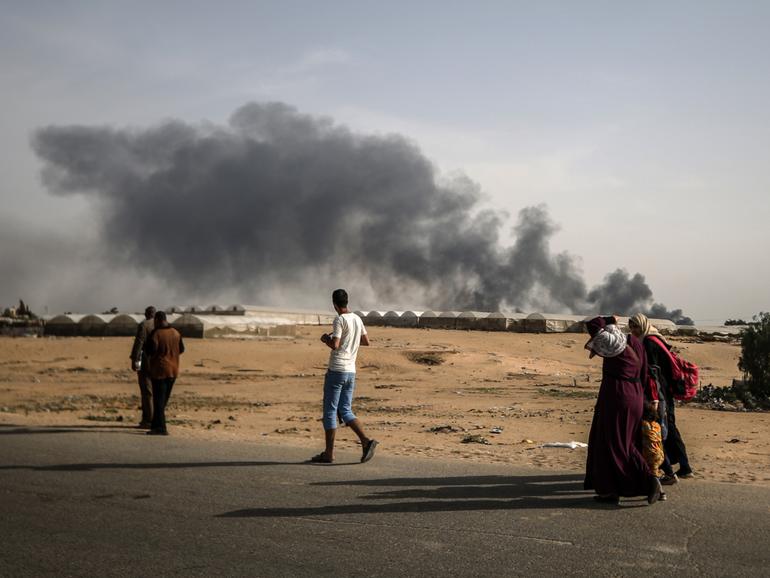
{"x": 488, "y": 397}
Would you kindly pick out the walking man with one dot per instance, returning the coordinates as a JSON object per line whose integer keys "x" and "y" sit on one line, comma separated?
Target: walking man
{"x": 164, "y": 346}
{"x": 139, "y": 365}
{"x": 348, "y": 333}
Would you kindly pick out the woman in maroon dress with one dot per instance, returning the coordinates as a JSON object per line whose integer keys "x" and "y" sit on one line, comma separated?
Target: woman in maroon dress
{"x": 615, "y": 466}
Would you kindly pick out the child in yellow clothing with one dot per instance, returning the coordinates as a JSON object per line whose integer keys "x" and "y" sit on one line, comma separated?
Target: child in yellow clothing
{"x": 652, "y": 441}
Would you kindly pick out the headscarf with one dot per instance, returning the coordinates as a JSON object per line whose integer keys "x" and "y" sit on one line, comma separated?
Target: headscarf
{"x": 610, "y": 341}
{"x": 648, "y": 328}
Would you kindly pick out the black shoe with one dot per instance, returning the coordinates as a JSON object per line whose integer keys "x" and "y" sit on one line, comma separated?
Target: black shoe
{"x": 685, "y": 474}
{"x": 669, "y": 480}
{"x": 655, "y": 490}
{"x": 157, "y": 432}
{"x": 368, "y": 451}
{"x": 144, "y": 425}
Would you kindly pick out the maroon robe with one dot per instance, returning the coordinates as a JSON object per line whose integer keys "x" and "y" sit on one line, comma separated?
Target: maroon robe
{"x": 615, "y": 464}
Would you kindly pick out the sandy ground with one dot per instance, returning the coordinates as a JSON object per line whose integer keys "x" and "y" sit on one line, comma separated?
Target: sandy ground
{"x": 488, "y": 397}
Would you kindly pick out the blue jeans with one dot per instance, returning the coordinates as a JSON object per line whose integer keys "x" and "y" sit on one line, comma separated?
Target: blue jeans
{"x": 338, "y": 397}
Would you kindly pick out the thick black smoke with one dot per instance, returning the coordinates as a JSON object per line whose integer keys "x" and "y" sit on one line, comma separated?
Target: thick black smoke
{"x": 279, "y": 200}
{"x": 621, "y": 293}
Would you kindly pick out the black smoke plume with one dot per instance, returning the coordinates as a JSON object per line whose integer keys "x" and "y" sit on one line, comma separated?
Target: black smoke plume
{"x": 279, "y": 204}
{"x": 621, "y": 293}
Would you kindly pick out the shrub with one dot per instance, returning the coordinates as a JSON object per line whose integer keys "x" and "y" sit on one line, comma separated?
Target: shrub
{"x": 755, "y": 355}
{"x": 735, "y": 397}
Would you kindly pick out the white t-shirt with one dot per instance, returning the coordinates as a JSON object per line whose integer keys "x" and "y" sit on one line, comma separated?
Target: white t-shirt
{"x": 349, "y": 328}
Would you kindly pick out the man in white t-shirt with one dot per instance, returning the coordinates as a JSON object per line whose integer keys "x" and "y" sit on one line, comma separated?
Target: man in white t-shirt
{"x": 348, "y": 333}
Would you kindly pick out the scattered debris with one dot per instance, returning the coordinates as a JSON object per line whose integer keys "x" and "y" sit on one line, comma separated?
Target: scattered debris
{"x": 571, "y": 445}
{"x": 92, "y": 417}
{"x": 387, "y": 386}
{"x": 555, "y": 392}
{"x": 425, "y": 357}
{"x": 475, "y": 439}
{"x": 446, "y": 428}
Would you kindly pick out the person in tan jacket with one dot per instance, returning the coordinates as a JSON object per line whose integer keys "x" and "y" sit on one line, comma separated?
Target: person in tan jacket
{"x": 139, "y": 364}
{"x": 163, "y": 348}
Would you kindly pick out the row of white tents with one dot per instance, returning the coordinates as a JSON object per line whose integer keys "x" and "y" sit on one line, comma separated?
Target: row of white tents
{"x": 523, "y": 322}
{"x": 272, "y": 322}
{"x": 497, "y": 321}
{"x": 93, "y": 325}
{"x": 71, "y": 325}
{"x": 301, "y": 316}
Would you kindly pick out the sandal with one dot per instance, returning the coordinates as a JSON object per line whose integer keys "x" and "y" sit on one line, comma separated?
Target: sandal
{"x": 321, "y": 459}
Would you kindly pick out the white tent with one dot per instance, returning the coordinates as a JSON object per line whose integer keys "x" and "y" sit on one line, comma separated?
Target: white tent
{"x": 410, "y": 319}
{"x": 374, "y": 318}
{"x": 468, "y": 320}
{"x": 124, "y": 325}
{"x": 94, "y": 325}
{"x": 554, "y": 323}
{"x": 495, "y": 321}
{"x": 443, "y": 320}
{"x": 65, "y": 325}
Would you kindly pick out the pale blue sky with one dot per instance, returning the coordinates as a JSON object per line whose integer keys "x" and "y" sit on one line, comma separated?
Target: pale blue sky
{"x": 645, "y": 124}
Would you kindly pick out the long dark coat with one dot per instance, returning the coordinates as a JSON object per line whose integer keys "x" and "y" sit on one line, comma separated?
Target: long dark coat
{"x": 615, "y": 464}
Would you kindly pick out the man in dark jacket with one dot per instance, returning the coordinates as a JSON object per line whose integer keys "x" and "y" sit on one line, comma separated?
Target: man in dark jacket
{"x": 163, "y": 347}
{"x": 139, "y": 365}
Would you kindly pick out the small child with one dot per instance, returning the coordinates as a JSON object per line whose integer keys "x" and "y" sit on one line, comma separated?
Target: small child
{"x": 652, "y": 441}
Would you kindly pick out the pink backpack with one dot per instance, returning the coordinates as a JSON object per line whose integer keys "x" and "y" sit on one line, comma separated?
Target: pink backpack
{"x": 685, "y": 374}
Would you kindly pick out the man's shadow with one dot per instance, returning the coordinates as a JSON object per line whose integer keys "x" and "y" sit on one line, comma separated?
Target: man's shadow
{"x": 386, "y": 495}
{"x": 91, "y": 467}
{"x": 454, "y": 494}
{"x": 111, "y": 427}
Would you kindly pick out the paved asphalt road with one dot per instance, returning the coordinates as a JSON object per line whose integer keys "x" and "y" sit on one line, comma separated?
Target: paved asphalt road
{"x": 109, "y": 501}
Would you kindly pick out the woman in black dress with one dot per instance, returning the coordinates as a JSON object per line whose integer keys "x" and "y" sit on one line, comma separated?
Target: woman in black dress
{"x": 676, "y": 452}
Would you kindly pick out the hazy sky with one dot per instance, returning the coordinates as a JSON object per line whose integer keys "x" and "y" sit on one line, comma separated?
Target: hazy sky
{"x": 644, "y": 129}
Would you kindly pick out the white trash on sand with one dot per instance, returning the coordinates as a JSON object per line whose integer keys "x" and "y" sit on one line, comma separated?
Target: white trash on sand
{"x": 571, "y": 445}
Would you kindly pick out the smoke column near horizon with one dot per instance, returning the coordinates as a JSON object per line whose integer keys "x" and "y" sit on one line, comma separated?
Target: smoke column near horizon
{"x": 282, "y": 199}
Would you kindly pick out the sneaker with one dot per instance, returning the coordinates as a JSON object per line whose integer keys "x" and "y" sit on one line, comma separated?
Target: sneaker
{"x": 685, "y": 474}
{"x": 663, "y": 497}
{"x": 669, "y": 480}
{"x": 368, "y": 451}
